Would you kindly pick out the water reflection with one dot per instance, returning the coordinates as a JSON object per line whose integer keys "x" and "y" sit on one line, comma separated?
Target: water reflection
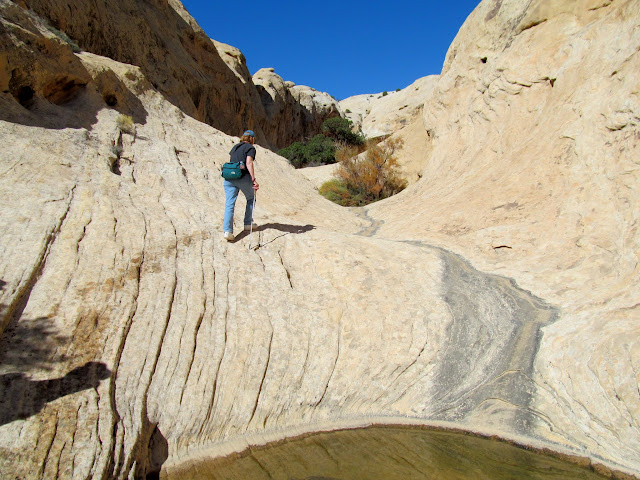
{"x": 389, "y": 453}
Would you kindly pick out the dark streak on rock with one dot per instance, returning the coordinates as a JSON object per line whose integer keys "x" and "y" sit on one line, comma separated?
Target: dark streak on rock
{"x": 493, "y": 342}
{"x": 488, "y": 362}
{"x": 374, "y": 224}
{"x": 494, "y": 11}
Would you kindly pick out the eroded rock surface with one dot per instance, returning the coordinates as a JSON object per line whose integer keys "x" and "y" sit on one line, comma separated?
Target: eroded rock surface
{"x": 293, "y": 112}
{"x": 534, "y": 175}
{"x": 207, "y": 80}
{"x": 382, "y": 114}
{"x": 498, "y": 294}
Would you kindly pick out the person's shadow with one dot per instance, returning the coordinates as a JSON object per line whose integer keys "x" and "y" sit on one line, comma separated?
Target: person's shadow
{"x": 21, "y": 397}
{"x": 282, "y": 227}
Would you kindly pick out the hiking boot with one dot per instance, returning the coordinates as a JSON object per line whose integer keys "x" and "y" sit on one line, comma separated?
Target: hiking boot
{"x": 248, "y": 227}
{"x": 228, "y": 236}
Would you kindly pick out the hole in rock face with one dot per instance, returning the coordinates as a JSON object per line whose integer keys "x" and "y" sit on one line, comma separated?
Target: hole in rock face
{"x": 483, "y": 59}
{"x": 24, "y": 95}
{"x": 115, "y": 166}
{"x": 390, "y": 453}
{"x": 158, "y": 454}
{"x": 62, "y": 90}
{"x": 110, "y": 99}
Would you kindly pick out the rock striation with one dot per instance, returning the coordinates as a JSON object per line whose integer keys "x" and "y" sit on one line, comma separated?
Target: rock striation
{"x": 498, "y": 294}
{"x": 533, "y": 175}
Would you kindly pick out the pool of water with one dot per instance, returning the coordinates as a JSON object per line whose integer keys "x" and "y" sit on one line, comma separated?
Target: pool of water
{"x": 387, "y": 453}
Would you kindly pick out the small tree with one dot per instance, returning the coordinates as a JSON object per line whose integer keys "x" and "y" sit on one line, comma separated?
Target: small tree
{"x": 320, "y": 150}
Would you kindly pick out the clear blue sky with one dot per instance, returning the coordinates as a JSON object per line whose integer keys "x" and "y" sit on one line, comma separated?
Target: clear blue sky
{"x": 342, "y": 47}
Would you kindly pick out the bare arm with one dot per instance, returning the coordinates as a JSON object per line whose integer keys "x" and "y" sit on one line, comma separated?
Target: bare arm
{"x": 252, "y": 172}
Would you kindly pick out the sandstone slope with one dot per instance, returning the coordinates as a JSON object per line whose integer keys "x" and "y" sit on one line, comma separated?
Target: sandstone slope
{"x": 534, "y": 176}
{"x": 114, "y": 264}
{"x": 135, "y": 339}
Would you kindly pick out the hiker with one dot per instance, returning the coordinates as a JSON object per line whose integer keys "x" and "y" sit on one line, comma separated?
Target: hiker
{"x": 245, "y": 153}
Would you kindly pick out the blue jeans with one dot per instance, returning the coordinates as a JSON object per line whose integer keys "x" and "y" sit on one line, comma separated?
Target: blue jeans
{"x": 231, "y": 189}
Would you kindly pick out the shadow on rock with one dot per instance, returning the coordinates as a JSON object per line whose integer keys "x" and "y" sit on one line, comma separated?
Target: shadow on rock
{"x": 80, "y": 110}
{"x": 21, "y": 397}
{"x": 281, "y": 227}
{"x": 48, "y": 85}
{"x": 31, "y": 344}
{"x": 154, "y": 456}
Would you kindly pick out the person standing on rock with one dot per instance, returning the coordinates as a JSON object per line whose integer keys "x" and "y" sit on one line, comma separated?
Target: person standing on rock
{"x": 245, "y": 153}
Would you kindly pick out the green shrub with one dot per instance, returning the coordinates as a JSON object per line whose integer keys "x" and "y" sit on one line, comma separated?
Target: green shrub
{"x": 58, "y": 33}
{"x": 295, "y": 153}
{"x": 337, "y": 191}
{"x": 341, "y": 130}
{"x": 65, "y": 38}
{"x": 320, "y": 150}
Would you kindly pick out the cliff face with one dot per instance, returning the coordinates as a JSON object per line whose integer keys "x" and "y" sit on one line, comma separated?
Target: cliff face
{"x": 498, "y": 294}
{"x": 205, "y": 79}
{"x": 385, "y": 113}
{"x": 292, "y": 111}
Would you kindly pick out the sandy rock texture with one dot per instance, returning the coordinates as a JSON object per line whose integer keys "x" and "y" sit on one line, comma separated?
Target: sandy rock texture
{"x": 207, "y": 80}
{"x": 293, "y": 112}
{"x": 498, "y": 294}
{"x": 378, "y": 115}
{"x": 108, "y": 235}
{"x": 534, "y": 126}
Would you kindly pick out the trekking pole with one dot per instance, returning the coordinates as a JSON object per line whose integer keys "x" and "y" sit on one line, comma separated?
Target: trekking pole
{"x": 252, "y": 210}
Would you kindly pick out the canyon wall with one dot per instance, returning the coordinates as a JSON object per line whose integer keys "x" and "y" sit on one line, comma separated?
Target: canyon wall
{"x": 207, "y": 80}
{"x": 533, "y": 174}
{"x": 497, "y": 294}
